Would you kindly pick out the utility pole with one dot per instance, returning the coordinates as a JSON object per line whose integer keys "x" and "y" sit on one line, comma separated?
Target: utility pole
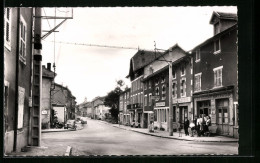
{"x": 170, "y": 99}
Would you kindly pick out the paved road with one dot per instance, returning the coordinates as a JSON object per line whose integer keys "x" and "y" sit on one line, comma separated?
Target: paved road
{"x": 97, "y": 138}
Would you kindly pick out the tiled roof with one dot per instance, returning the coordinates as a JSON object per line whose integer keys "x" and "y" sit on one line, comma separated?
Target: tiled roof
{"x": 223, "y": 15}
{"x": 226, "y": 15}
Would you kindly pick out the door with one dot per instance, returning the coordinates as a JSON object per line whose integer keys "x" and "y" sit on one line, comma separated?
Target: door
{"x": 223, "y": 116}
{"x": 145, "y": 120}
{"x": 183, "y": 113}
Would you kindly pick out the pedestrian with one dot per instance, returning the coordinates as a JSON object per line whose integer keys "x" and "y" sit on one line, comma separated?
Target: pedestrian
{"x": 199, "y": 125}
{"x": 192, "y": 127}
{"x": 186, "y": 126}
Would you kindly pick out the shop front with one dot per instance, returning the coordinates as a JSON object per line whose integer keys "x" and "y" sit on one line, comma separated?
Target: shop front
{"x": 161, "y": 116}
{"x": 220, "y": 107}
{"x": 182, "y": 108}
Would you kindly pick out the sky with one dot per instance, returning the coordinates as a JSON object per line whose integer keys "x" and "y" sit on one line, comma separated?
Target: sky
{"x": 91, "y": 71}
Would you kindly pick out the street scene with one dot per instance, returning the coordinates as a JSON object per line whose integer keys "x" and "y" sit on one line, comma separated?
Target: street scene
{"x": 100, "y": 138}
{"x": 113, "y": 81}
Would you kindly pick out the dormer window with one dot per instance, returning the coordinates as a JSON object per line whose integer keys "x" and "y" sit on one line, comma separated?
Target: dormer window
{"x": 216, "y": 28}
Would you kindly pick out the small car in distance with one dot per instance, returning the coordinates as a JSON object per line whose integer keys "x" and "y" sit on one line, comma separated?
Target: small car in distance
{"x": 84, "y": 120}
{"x": 70, "y": 124}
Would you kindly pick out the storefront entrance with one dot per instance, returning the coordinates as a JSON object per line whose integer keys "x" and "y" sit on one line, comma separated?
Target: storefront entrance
{"x": 183, "y": 113}
{"x": 145, "y": 120}
{"x": 222, "y": 116}
{"x": 204, "y": 108}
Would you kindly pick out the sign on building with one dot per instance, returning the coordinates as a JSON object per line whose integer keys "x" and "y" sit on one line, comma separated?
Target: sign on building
{"x": 160, "y": 104}
{"x": 20, "y": 106}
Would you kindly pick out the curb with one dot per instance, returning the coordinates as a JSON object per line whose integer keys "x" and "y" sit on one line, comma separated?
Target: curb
{"x": 234, "y": 141}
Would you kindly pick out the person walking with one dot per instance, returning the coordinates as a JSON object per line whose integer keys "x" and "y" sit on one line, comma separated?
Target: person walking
{"x": 186, "y": 126}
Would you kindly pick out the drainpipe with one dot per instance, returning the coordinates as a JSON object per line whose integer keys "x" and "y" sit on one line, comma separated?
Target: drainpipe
{"x": 16, "y": 81}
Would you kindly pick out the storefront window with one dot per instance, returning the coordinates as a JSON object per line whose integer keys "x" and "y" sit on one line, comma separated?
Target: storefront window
{"x": 155, "y": 115}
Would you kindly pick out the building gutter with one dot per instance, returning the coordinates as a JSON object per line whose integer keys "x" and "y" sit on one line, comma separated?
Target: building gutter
{"x": 16, "y": 81}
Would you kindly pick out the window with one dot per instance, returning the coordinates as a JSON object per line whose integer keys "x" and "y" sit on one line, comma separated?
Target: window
{"x": 174, "y": 90}
{"x": 182, "y": 70}
{"x": 7, "y": 28}
{"x": 156, "y": 81}
{"x": 216, "y": 28}
{"x": 145, "y": 100}
{"x": 145, "y": 85}
{"x": 150, "y": 84}
{"x": 163, "y": 92}
{"x": 217, "y": 47}
{"x": 218, "y": 76}
{"x": 197, "y": 55}
{"x": 142, "y": 98}
{"x": 163, "y": 79}
{"x": 157, "y": 93}
{"x": 173, "y": 74}
{"x": 150, "y": 99}
{"x": 198, "y": 82}
{"x": 22, "y": 44}
{"x": 183, "y": 88}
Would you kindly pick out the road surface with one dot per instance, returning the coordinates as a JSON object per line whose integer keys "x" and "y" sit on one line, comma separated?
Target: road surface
{"x": 98, "y": 138}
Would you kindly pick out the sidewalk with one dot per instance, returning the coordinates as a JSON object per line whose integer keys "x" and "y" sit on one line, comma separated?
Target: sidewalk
{"x": 165, "y": 134}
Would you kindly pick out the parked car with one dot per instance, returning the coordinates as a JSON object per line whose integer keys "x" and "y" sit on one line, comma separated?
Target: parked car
{"x": 70, "y": 124}
{"x": 83, "y": 120}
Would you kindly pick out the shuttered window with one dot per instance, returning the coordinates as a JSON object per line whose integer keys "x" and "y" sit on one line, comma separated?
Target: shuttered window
{"x": 22, "y": 41}
{"x": 7, "y": 28}
{"x": 218, "y": 76}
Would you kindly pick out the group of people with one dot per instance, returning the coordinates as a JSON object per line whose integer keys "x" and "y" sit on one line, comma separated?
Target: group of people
{"x": 199, "y": 126}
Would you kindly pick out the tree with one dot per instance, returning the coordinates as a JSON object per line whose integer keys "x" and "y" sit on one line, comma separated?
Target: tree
{"x": 112, "y": 99}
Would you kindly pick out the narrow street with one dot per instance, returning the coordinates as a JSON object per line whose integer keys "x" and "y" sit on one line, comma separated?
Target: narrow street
{"x": 98, "y": 138}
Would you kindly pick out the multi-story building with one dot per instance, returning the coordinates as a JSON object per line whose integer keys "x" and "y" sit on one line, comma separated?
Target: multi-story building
{"x": 137, "y": 63}
{"x": 215, "y": 75}
{"x": 124, "y": 101}
{"x": 62, "y": 97}
{"x": 20, "y": 28}
{"x": 47, "y": 86}
{"x": 84, "y": 109}
{"x": 100, "y": 110}
{"x": 156, "y": 88}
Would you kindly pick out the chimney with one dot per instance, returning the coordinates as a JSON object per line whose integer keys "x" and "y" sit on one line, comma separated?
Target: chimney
{"x": 49, "y": 66}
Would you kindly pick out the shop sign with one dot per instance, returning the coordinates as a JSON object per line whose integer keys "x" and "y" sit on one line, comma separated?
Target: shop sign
{"x": 44, "y": 112}
{"x": 160, "y": 104}
{"x": 181, "y": 100}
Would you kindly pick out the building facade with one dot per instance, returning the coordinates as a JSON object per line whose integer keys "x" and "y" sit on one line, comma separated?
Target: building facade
{"x": 215, "y": 75}
{"x": 19, "y": 30}
{"x": 62, "y": 97}
{"x": 136, "y": 73}
{"x": 47, "y": 86}
{"x": 124, "y": 101}
{"x": 99, "y": 109}
{"x": 156, "y": 88}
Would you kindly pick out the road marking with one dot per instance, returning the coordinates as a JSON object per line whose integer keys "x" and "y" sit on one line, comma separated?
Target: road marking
{"x": 68, "y": 151}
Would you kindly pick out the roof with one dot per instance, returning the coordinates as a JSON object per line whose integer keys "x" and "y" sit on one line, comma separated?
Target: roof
{"x": 166, "y": 67}
{"x": 216, "y": 36}
{"x": 141, "y": 59}
{"x": 47, "y": 73}
{"x": 223, "y": 15}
